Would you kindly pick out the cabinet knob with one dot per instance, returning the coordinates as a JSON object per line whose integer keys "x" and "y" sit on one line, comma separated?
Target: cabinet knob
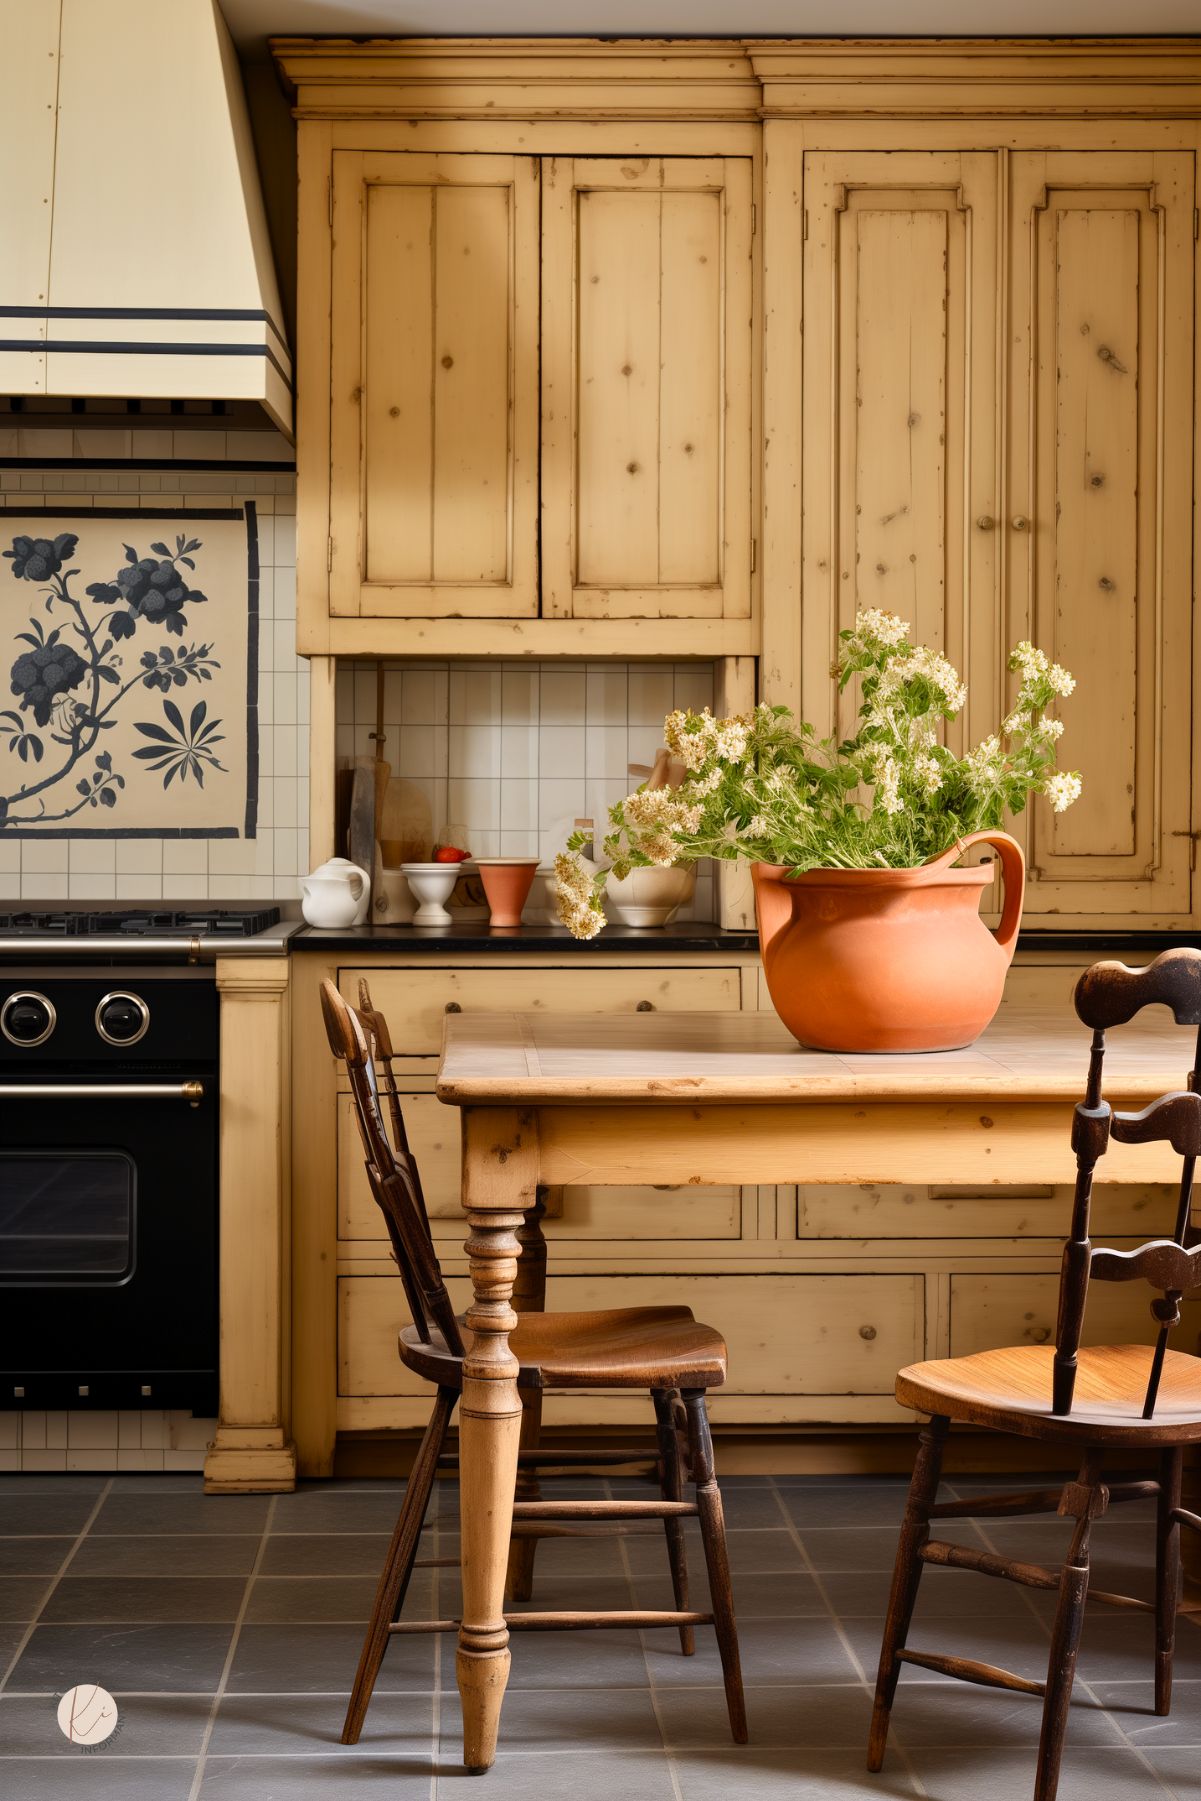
{"x": 1020, "y": 522}
{"x": 645, "y": 1007}
{"x": 868, "y": 1332}
{"x": 986, "y": 523}
{"x": 453, "y": 1007}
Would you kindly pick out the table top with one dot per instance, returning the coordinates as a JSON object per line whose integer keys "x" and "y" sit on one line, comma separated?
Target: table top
{"x": 1026, "y": 1054}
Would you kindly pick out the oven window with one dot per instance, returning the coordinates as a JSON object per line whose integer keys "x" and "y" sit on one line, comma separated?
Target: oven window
{"x": 66, "y": 1216}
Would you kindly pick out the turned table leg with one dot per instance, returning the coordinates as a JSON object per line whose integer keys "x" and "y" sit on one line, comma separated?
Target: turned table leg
{"x": 529, "y": 1296}
{"x": 499, "y": 1183}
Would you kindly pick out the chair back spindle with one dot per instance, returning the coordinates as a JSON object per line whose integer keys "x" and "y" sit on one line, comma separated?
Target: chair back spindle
{"x": 1108, "y": 995}
{"x": 391, "y": 1170}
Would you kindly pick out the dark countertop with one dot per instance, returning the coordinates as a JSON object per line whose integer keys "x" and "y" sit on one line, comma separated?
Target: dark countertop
{"x": 479, "y": 938}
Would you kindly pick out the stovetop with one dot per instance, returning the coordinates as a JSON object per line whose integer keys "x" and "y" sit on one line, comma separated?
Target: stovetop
{"x": 141, "y": 922}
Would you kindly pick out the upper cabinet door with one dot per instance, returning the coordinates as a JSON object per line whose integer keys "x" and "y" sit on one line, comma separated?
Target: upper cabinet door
{"x": 646, "y": 387}
{"x": 1099, "y": 528}
{"x": 434, "y": 370}
{"x": 899, "y": 464}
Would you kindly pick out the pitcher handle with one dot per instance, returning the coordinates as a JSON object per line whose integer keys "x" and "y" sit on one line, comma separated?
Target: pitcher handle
{"x": 1013, "y": 874}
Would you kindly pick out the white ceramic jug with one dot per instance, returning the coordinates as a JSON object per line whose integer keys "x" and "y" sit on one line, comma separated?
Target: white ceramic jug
{"x": 337, "y": 894}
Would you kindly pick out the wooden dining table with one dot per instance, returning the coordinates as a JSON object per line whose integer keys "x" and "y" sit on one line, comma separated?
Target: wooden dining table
{"x": 711, "y": 1099}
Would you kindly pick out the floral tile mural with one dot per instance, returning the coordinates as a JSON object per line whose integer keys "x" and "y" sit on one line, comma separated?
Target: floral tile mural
{"x": 131, "y": 645}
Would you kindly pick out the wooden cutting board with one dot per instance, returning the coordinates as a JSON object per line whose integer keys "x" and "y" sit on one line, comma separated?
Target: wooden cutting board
{"x": 407, "y": 820}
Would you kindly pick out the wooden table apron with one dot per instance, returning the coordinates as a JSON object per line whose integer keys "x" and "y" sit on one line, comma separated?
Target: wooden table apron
{"x": 524, "y": 1127}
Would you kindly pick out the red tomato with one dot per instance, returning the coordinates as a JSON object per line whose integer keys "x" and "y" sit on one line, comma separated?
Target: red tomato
{"x": 447, "y": 853}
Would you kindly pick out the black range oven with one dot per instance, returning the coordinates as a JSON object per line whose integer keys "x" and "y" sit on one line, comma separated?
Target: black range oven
{"x": 108, "y": 1173}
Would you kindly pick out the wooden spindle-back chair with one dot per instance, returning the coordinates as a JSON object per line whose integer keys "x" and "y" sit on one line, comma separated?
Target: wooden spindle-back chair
{"x": 1104, "y": 1400}
{"x": 661, "y": 1349}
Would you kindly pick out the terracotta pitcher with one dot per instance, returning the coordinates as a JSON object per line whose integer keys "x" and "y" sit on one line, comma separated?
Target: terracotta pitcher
{"x": 888, "y": 959}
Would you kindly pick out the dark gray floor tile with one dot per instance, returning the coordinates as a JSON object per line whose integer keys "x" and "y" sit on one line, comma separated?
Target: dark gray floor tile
{"x": 1014, "y": 1642}
{"x": 298, "y": 1725}
{"x": 942, "y": 1593}
{"x": 569, "y": 1720}
{"x": 154, "y": 1658}
{"x": 814, "y": 1717}
{"x": 1119, "y": 1647}
{"x": 32, "y": 1556}
{"x": 760, "y": 1774}
{"x": 150, "y": 1726}
{"x": 39, "y": 1513}
{"x": 569, "y": 1592}
{"x": 946, "y": 1715}
{"x": 136, "y": 1515}
{"x": 769, "y": 1549}
{"x": 1180, "y": 1770}
{"x": 746, "y": 1506}
{"x": 773, "y": 1651}
{"x": 10, "y": 1638}
{"x": 314, "y": 1779}
{"x": 758, "y": 1595}
{"x": 1133, "y": 1707}
{"x": 164, "y": 1554}
{"x": 159, "y": 1482}
{"x": 992, "y": 1775}
{"x": 630, "y": 1775}
{"x": 40, "y": 1482}
{"x": 312, "y": 1598}
{"x": 328, "y": 1553}
{"x": 337, "y": 1510}
{"x": 101, "y": 1774}
{"x": 144, "y": 1600}
{"x": 281, "y": 1660}
{"x": 570, "y": 1660}
{"x": 21, "y": 1597}
{"x": 585, "y": 1556}
{"x": 866, "y": 1505}
{"x": 868, "y": 1547}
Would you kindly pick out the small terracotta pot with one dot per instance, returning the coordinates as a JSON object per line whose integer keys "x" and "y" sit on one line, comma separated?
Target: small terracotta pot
{"x": 507, "y": 883}
{"x": 888, "y": 959}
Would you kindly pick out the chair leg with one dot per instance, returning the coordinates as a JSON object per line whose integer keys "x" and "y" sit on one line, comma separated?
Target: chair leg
{"x": 1065, "y": 1633}
{"x": 717, "y": 1560}
{"x": 907, "y": 1573}
{"x": 1167, "y": 1575}
{"x": 398, "y": 1565}
{"x": 519, "y": 1578}
{"x": 671, "y": 1487}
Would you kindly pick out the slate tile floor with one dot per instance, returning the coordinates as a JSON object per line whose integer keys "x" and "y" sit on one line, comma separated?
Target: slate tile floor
{"x": 228, "y": 1630}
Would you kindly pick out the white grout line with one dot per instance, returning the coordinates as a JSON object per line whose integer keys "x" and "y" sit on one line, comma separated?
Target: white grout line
{"x": 60, "y": 1573}
{"x": 1079, "y": 1682}
{"x": 227, "y": 1666}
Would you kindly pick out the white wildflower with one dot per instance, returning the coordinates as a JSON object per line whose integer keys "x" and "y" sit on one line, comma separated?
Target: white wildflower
{"x": 1031, "y": 661}
{"x": 1060, "y": 680}
{"x": 1018, "y": 721}
{"x": 1049, "y": 729}
{"x": 874, "y": 627}
{"x": 758, "y": 827}
{"x": 706, "y": 784}
{"x": 927, "y": 774}
{"x": 690, "y": 736}
{"x": 983, "y": 764}
{"x": 731, "y": 740}
{"x": 923, "y": 664}
{"x": 888, "y": 785}
{"x": 1062, "y": 789}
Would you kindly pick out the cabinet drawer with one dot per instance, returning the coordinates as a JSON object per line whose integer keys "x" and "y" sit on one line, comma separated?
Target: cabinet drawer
{"x": 989, "y": 1312}
{"x": 613, "y": 1213}
{"x": 896, "y": 1212}
{"x": 836, "y": 1335}
{"x": 415, "y": 1001}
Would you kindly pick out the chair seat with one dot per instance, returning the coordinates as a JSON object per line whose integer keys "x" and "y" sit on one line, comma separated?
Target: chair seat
{"x": 621, "y": 1347}
{"x": 1011, "y": 1391}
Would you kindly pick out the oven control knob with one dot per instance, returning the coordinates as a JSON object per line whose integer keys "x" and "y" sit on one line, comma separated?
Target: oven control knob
{"x": 27, "y": 1018}
{"x": 122, "y": 1018}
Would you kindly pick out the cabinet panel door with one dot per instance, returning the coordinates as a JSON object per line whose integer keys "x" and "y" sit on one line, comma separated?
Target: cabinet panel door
{"x": 899, "y": 471}
{"x": 1098, "y": 536}
{"x": 434, "y": 454}
{"x": 646, "y": 387}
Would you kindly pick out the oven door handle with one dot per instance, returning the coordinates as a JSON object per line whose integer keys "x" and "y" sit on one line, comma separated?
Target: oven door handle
{"x": 192, "y": 1092}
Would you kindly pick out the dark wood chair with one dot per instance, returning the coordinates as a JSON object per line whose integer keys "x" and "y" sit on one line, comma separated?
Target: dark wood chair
{"x": 1105, "y": 1400}
{"x": 663, "y": 1350}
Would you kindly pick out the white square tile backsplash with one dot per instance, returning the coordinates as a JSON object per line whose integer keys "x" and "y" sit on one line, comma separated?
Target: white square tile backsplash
{"x": 512, "y": 755}
{"x": 265, "y": 868}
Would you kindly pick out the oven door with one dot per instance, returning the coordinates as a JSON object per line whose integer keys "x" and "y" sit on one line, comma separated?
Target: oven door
{"x": 108, "y": 1243}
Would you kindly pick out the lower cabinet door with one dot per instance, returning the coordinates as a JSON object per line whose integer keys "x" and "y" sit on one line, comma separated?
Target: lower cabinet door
{"x": 801, "y": 1347}
{"x": 995, "y": 1310}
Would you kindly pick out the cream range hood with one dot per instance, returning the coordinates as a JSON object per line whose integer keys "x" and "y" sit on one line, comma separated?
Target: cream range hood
{"x": 134, "y": 255}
